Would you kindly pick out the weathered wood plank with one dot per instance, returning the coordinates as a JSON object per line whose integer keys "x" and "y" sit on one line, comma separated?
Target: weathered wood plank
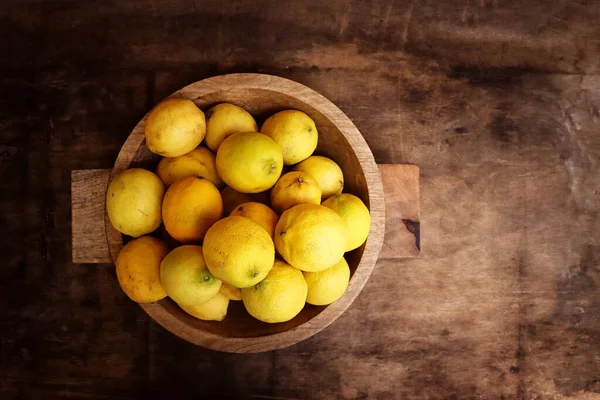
{"x": 88, "y": 191}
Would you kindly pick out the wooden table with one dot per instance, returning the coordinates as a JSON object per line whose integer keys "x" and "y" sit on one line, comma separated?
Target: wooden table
{"x": 497, "y": 101}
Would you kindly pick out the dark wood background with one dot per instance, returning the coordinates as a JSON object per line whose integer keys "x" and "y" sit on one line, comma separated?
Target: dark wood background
{"x": 497, "y": 101}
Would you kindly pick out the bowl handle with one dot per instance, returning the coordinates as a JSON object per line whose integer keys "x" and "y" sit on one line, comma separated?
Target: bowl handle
{"x": 402, "y": 211}
{"x": 88, "y": 232}
{"x": 402, "y": 231}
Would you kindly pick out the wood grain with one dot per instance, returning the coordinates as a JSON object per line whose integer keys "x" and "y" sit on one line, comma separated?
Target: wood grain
{"x": 403, "y": 213}
{"x": 88, "y": 191}
{"x": 496, "y": 101}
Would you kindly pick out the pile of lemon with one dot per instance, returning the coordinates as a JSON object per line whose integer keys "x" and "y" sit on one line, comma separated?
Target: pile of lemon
{"x": 247, "y": 230}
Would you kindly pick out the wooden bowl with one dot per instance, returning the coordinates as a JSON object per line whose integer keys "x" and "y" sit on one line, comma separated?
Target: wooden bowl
{"x": 339, "y": 139}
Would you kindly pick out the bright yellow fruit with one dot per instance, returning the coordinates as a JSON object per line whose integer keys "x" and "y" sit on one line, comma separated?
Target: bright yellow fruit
{"x": 238, "y": 251}
{"x": 232, "y": 198}
{"x": 310, "y": 237}
{"x": 190, "y": 207}
{"x": 295, "y": 132}
{"x": 224, "y": 120}
{"x": 249, "y": 162}
{"x": 199, "y": 162}
{"x": 279, "y": 297}
{"x": 185, "y": 277}
{"x": 294, "y": 188}
{"x": 356, "y": 216}
{"x": 214, "y": 309}
{"x": 325, "y": 287}
{"x": 138, "y": 269}
{"x": 174, "y": 127}
{"x": 133, "y": 202}
{"x": 232, "y": 293}
{"x": 326, "y": 172}
{"x": 259, "y": 213}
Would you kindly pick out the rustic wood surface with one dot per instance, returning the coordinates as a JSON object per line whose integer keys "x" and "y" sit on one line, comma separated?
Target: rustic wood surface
{"x": 88, "y": 201}
{"x": 402, "y": 211}
{"x": 496, "y": 101}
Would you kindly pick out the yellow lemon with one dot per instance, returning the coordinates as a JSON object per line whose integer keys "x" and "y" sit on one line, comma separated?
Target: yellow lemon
{"x": 279, "y": 297}
{"x": 138, "y": 269}
{"x": 356, "y": 215}
{"x": 325, "y": 287}
{"x": 249, "y": 162}
{"x": 199, "y": 162}
{"x": 133, "y": 202}
{"x": 190, "y": 207}
{"x": 326, "y": 172}
{"x": 294, "y": 188}
{"x": 295, "y": 132}
{"x": 238, "y": 251}
{"x": 174, "y": 127}
{"x": 310, "y": 237}
{"x": 214, "y": 309}
{"x": 232, "y": 198}
{"x": 185, "y": 277}
{"x": 232, "y": 293}
{"x": 259, "y": 213}
{"x": 224, "y": 120}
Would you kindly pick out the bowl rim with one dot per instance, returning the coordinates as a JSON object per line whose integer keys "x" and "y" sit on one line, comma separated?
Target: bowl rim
{"x": 197, "y": 90}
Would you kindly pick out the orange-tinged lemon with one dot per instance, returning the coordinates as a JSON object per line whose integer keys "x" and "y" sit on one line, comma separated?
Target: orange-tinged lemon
{"x": 199, "y": 162}
{"x": 138, "y": 269}
{"x": 259, "y": 213}
{"x": 190, "y": 207}
{"x": 232, "y": 198}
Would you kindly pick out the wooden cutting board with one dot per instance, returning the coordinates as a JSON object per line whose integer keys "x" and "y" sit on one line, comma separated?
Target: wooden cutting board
{"x": 402, "y": 227}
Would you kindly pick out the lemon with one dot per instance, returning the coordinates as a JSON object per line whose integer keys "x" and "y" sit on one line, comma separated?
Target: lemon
{"x": 185, "y": 277}
{"x": 214, "y": 309}
{"x": 259, "y": 213}
{"x": 232, "y": 293}
{"x": 174, "y": 127}
{"x": 356, "y": 215}
{"x": 199, "y": 162}
{"x": 295, "y": 132}
{"x": 325, "y": 287}
{"x": 310, "y": 237}
{"x": 133, "y": 202}
{"x": 279, "y": 297}
{"x": 190, "y": 207}
{"x": 249, "y": 162}
{"x": 238, "y": 251}
{"x": 232, "y": 198}
{"x": 294, "y": 188}
{"x": 326, "y": 172}
{"x": 224, "y": 120}
{"x": 138, "y": 269}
